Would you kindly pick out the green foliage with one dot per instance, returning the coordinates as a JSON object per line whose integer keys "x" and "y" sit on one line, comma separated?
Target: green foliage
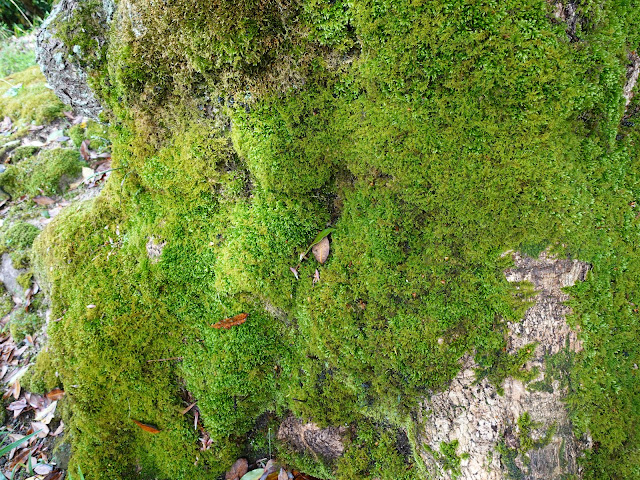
{"x": 24, "y": 12}
{"x": 497, "y": 365}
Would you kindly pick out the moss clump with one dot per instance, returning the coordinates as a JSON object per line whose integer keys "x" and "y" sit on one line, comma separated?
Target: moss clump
{"x": 95, "y": 132}
{"x": 49, "y": 173}
{"x": 53, "y": 170}
{"x": 23, "y": 153}
{"x": 33, "y": 100}
{"x": 376, "y": 452}
{"x": 20, "y": 236}
{"x": 25, "y": 279}
{"x": 22, "y": 324}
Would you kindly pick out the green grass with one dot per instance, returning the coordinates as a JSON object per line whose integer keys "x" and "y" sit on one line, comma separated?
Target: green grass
{"x": 431, "y": 136}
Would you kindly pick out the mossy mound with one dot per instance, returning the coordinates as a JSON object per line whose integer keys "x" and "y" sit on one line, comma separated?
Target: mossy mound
{"x": 432, "y": 138}
{"x": 48, "y": 173}
{"x": 24, "y": 97}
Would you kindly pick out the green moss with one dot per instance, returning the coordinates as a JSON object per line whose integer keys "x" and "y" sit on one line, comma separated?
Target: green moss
{"x": 93, "y": 131}
{"x": 22, "y": 324}
{"x": 375, "y": 452}
{"x": 25, "y": 279}
{"x": 20, "y": 236}
{"x": 23, "y": 152}
{"x": 33, "y": 101}
{"x": 49, "y": 173}
{"x": 432, "y": 137}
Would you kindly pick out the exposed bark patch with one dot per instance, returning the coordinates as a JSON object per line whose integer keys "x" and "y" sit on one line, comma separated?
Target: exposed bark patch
{"x": 154, "y": 249}
{"x": 480, "y": 419}
{"x": 308, "y": 437}
{"x": 633, "y": 71}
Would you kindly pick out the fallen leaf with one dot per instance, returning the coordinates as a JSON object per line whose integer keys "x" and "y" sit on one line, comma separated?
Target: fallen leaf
{"x": 316, "y": 277}
{"x": 253, "y": 474}
{"x": 42, "y": 200}
{"x": 20, "y": 458}
{"x": 321, "y": 250}
{"x": 55, "y": 394}
{"x": 188, "y": 408}
{"x": 41, "y": 428}
{"x": 74, "y": 185}
{"x": 55, "y": 136}
{"x": 295, "y": 272}
{"x": 55, "y": 475}
{"x": 231, "y": 322}
{"x": 87, "y": 172}
{"x": 69, "y": 115}
{"x": 91, "y": 306}
{"x": 84, "y": 150}
{"x": 237, "y": 470}
{"x": 43, "y": 468}
{"x": 46, "y": 414}
{"x": 17, "y": 407}
{"x": 283, "y": 475}
{"x": 59, "y": 430}
{"x": 6, "y": 124}
{"x": 36, "y": 128}
{"x": 16, "y": 389}
{"x": 13, "y": 91}
{"x": 147, "y": 427}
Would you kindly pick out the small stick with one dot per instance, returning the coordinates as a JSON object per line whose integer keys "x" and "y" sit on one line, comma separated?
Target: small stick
{"x": 165, "y": 359}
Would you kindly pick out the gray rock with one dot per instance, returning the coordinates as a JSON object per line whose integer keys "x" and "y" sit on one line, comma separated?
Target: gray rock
{"x": 9, "y": 276}
{"x": 59, "y": 63}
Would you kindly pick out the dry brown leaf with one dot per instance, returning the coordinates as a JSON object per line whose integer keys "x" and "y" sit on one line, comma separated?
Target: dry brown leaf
{"x": 227, "y": 323}
{"x": 316, "y": 277}
{"x": 188, "y": 408}
{"x": 237, "y": 470}
{"x": 55, "y": 475}
{"x": 21, "y": 457}
{"x": 16, "y": 389}
{"x": 55, "y": 394}
{"x": 147, "y": 427}
{"x": 41, "y": 427}
{"x": 321, "y": 250}
{"x": 42, "y": 200}
{"x": 283, "y": 475}
{"x": 84, "y": 150}
{"x": 17, "y": 407}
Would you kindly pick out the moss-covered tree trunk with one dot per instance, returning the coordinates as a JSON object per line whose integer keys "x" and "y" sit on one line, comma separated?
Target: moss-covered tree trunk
{"x": 431, "y": 137}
